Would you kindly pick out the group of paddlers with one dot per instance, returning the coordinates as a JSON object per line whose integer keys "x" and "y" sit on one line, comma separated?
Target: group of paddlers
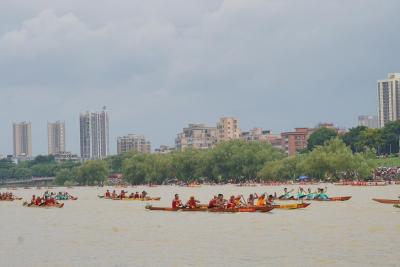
{"x": 7, "y": 196}
{"x": 124, "y": 194}
{"x": 50, "y": 198}
{"x": 264, "y": 199}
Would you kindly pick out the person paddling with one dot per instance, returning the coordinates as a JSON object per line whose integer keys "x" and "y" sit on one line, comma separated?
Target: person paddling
{"x": 251, "y": 200}
{"x": 221, "y": 201}
{"x": 286, "y": 194}
{"x": 261, "y": 201}
{"x": 213, "y": 203}
{"x": 107, "y": 194}
{"x": 176, "y": 202}
{"x": 192, "y": 203}
{"x": 231, "y": 203}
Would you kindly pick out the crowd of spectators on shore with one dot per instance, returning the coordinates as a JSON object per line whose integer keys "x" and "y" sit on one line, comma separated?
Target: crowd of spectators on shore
{"x": 387, "y": 173}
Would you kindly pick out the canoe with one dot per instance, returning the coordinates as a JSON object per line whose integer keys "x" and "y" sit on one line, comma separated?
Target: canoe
{"x": 58, "y": 205}
{"x": 12, "y": 199}
{"x": 387, "y": 201}
{"x": 139, "y": 199}
{"x": 71, "y": 198}
{"x": 292, "y": 206}
{"x": 203, "y": 209}
{"x": 333, "y": 199}
{"x": 317, "y": 199}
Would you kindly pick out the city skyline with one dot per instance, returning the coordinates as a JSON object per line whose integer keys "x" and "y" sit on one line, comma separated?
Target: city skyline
{"x": 159, "y": 66}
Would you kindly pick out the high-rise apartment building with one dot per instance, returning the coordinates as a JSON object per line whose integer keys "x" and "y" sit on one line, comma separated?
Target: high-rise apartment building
{"x": 56, "y": 137}
{"x": 22, "y": 137}
{"x": 94, "y": 136}
{"x": 133, "y": 142}
{"x": 228, "y": 129}
{"x": 389, "y": 99}
{"x": 293, "y": 142}
{"x": 368, "y": 121}
{"x": 196, "y": 136}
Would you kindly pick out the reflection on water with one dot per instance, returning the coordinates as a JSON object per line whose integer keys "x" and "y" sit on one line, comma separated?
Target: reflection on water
{"x": 95, "y": 232}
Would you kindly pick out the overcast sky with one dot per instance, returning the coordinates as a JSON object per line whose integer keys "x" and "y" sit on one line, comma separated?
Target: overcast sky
{"x": 159, "y": 65}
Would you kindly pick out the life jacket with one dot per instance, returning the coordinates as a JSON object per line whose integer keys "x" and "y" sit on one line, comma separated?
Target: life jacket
{"x": 261, "y": 201}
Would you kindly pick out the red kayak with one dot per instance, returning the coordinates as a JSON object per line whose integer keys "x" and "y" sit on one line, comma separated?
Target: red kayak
{"x": 292, "y": 206}
{"x": 387, "y": 201}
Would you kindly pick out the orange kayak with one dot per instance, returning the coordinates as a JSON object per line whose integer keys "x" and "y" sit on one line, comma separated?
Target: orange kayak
{"x": 334, "y": 199}
{"x": 387, "y": 201}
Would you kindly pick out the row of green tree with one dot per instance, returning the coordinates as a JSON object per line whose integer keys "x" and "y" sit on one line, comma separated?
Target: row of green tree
{"x": 384, "y": 141}
{"x": 328, "y": 156}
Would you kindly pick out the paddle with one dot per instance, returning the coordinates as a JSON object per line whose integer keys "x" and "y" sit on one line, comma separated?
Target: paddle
{"x": 282, "y": 196}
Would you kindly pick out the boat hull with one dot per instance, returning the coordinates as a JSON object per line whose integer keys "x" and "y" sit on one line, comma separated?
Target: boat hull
{"x": 387, "y": 201}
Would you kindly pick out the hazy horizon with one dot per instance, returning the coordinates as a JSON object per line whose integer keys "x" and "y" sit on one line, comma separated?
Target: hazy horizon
{"x": 159, "y": 65}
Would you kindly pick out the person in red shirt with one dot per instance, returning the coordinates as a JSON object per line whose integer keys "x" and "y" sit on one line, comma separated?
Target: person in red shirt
{"x": 192, "y": 203}
{"x": 122, "y": 194}
{"x": 213, "y": 203}
{"x": 137, "y": 195}
{"x": 114, "y": 194}
{"x": 107, "y": 194}
{"x": 33, "y": 199}
{"x": 231, "y": 203}
{"x": 176, "y": 202}
{"x": 38, "y": 201}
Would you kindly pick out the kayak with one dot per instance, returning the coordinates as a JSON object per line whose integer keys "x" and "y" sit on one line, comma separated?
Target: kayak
{"x": 292, "y": 206}
{"x": 387, "y": 201}
{"x": 58, "y": 205}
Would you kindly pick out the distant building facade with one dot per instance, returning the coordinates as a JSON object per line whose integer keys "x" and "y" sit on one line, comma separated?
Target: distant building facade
{"x": 22, "y": 139}
{"x": 255, "y": 134}
{"x": 293, "y": 142}
{"x": 368, "y": 121}
{"x": 56, "y": 137}
{"x": 228, "y": 129}
{"x": 133, "y": 142}
{"x": 66, "y": 156}
{"x": 197, "y": 136}
{"x": 94, "y": 135}
{"x": 389, "y": 99}
{"x": 163, "y": 149}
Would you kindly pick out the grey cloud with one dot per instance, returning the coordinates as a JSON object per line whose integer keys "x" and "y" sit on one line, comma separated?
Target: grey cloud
{"x": 159, "y": 65}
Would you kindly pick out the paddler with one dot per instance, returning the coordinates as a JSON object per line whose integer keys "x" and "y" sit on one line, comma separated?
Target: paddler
{"x": 144, "y": 194}
{"x": 221, "y": 201}
{"x": 33, "y": 199}
{"x": 122, "y": 194}
{"x": 213, "y": 203}
{"x": 231, "y": 203}
{"x": 322, "y": 194}
{"x": 137, "y": 195}
{"x": 270, "y": 200}
{"x": 301, "y": 193}
{"x": 176, "y": 202}
{"x": 251, "y": 200}
{"x": 286, "y": 194}
{"x": 261, "y": 200}
{"x": 107, "y": 194}
{"x": 192, "y": 203}
{"x": 114, "y": 194}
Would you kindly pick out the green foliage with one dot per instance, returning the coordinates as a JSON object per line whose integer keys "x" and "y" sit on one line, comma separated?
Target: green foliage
{"x": 334, "y": 160}
{"x": 320, "y": 137}
{"x": 229, "y": 161}
{"x": 66, "y": 176}
{"x": 92, "y": 172}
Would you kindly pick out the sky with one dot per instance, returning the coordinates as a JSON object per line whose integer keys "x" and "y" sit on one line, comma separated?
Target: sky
{"x": 159, "y": 65}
